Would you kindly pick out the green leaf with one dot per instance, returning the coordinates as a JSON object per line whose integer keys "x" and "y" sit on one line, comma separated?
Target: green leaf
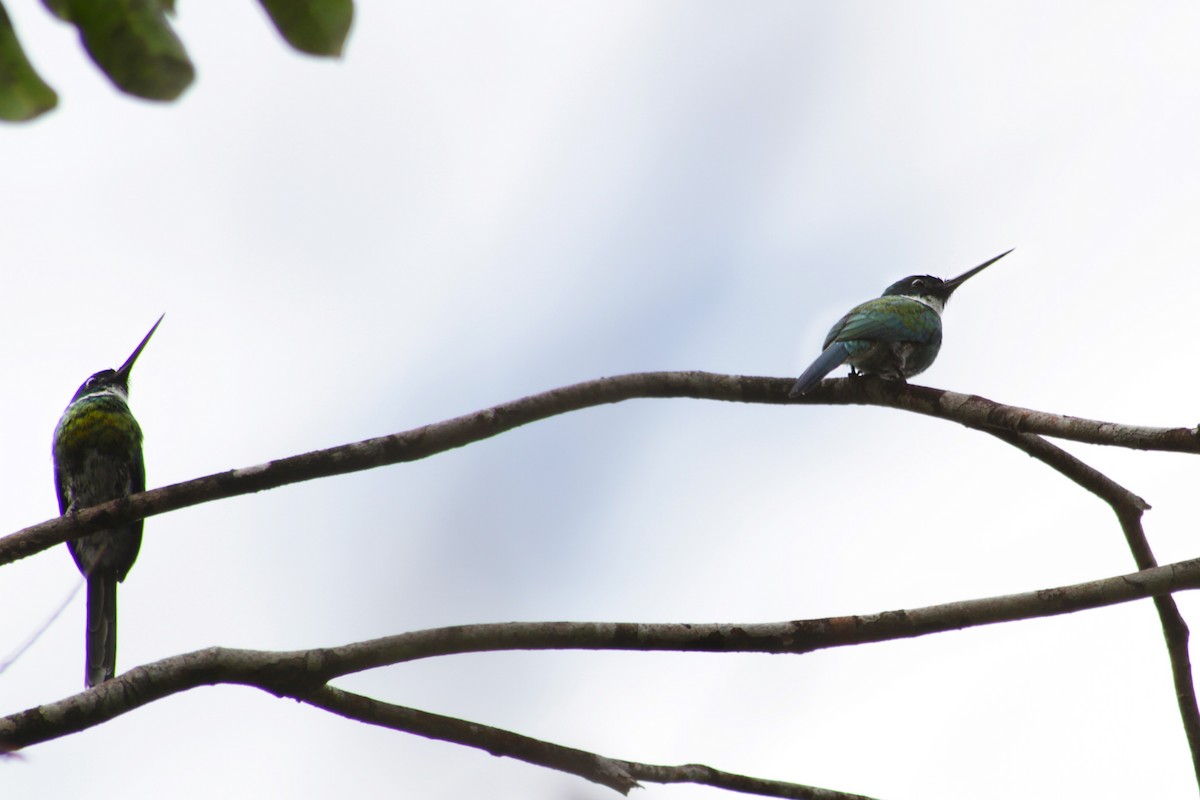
{"x": 319, "y": 27}
{"x": 23, "y": 94}
{"x": 131, "y": 41}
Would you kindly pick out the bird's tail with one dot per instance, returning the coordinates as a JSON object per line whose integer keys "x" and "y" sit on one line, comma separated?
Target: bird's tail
{"x": 834, "y": 356}
{"x": 101, "y": 628}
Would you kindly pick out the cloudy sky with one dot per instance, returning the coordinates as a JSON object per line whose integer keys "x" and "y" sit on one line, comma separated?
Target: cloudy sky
{"x": 485, "y": 200}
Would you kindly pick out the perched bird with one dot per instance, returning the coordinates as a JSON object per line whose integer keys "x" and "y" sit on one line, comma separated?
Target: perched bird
{"x": 895, "y": 336}
{"x": 98, "y": 457}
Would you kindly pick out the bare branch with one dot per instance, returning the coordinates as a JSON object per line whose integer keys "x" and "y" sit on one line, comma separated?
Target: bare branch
{"x": 439, "y": 437}
{"x": 1086, "y": 476}
{"x": 613, "y": 773}
{"x": 983, "y": 414}
{"x": 1175, "y": 631}
{"x": 299, "y": 673}
{"x": 1011, "y": 424}
{"x": 1129, "y": 507}
{"x": 707, "y": 776}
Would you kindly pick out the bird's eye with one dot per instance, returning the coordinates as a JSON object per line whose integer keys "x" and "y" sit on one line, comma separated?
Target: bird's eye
{"x": 90, "y": 382}
{"x": 918, "y": 283}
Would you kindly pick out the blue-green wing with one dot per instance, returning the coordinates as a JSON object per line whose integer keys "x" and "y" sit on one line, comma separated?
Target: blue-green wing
{"x": 888, "y": 319}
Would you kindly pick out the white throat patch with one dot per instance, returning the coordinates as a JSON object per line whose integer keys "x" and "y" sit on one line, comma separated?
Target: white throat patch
{"x": 936, "y": 303}
{"x": 112, "y": 391}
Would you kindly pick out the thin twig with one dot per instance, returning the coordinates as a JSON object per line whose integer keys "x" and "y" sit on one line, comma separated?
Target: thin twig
{"x": 45, "y": 626}
{"x": 611, "y": 772}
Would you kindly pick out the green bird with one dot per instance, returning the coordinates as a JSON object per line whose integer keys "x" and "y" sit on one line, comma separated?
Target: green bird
{"x": 98, "y": 457}
{"x": 895, "y": 336}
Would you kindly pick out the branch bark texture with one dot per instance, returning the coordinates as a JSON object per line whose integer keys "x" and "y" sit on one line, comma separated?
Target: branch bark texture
{"x": 428, "y": 440}
{"x": 298, "y": 673}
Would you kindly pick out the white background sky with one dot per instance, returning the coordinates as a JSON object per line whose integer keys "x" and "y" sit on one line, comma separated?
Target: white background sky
{"x": 485, "y": 200}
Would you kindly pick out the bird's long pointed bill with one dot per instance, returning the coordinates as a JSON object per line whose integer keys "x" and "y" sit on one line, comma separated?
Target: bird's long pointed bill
{"x": 128, "y": 365}
{"x": 954, "y": 283}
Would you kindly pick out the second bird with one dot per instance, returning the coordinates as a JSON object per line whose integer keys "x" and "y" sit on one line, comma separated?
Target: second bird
{"x": 98, "y": 457}
{"x": 895, "y": 336}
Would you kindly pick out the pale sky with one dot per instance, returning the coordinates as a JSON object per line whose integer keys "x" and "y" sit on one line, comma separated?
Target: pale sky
{"x": 485, "y": 200}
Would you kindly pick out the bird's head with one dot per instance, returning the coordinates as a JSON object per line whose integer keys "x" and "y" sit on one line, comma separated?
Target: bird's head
{"x": 114, "y": 381}
{"x": 935, "y": 291}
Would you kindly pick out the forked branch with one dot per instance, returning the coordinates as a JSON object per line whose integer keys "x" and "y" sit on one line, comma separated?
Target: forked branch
{"x": 304, "y": 674}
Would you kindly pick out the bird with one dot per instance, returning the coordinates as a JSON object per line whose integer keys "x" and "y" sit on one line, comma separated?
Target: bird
{"x": 97, "y": 453}
{"x": 895, "y": 336}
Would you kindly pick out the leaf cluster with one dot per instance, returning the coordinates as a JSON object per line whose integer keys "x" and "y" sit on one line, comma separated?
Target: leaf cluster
{"x": 134, "y": 44}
